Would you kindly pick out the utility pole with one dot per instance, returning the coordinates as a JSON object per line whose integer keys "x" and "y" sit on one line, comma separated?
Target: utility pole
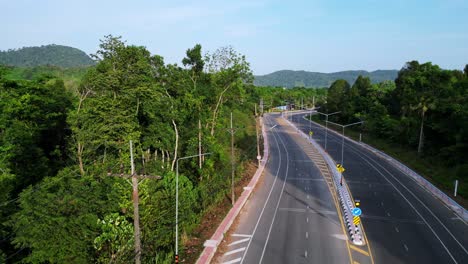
{"x": 200, "y": 157}
{"x": 261, "y": 106}
{"x": 135, "y": 200}
{"x": 232, "y": 131}
{"x": 256, "y": 132}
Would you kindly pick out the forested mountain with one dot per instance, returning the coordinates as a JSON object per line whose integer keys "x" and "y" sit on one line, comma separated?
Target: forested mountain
{"x": 56, "y": 55}
{"x": 289, "y": 79}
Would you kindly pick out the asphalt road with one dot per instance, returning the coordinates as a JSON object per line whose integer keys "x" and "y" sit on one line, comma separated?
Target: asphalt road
{"x": 291, "y": 216}
{"x": 404, "y": 223}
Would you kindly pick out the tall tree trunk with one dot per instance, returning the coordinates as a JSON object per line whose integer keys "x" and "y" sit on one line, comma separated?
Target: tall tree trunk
{"x": 199, "y": 145}
{"x": 216, "y": 110}
{"x": 80, "y": 148}
{"x": 176, "y": 144}
{"x": 421, "y": 134}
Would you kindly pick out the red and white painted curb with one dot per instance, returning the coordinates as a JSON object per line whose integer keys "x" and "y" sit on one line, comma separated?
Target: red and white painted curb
{"x": 211, "y": 245}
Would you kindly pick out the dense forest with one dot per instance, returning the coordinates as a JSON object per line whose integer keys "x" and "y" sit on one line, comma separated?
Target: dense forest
{"x": 54, "y": 55}
{"x": 60, "y": 147}
{"x": 291, "y": 79}
{"x": 424, "y": 110}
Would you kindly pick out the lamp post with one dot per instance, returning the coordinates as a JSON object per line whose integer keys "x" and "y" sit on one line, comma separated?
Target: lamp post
{"x": 342, "y": 141}
{"x": 177, "y": 203}
{"x": 326, "y": 125}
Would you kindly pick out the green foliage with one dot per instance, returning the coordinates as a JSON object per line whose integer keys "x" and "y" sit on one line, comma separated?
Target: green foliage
{"x": 55, "y": 55}
{"x": 115, "y": 242}
{"x": 58, "y": 218}
{"x": 79, "y": 214}
{"x": 425, "y": 109}
{"x": 291, "y": 79}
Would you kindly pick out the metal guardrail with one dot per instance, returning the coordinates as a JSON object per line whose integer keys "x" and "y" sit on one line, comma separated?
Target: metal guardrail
{"x": 458, "y": 209}
{"x": 451, "y": 204}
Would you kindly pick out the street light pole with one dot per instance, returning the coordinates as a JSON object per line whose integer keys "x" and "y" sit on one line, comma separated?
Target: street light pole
{"x": 177, "y": 204}
{"x": 326, "y": 125}
{"x": 342, "y": 141}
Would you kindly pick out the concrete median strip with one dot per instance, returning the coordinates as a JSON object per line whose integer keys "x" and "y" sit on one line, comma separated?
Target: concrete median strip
{"x": 346, "y": 202}
{"x": 211, "y": 247}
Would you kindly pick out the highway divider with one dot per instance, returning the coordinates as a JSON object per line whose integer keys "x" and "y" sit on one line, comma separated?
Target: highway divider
{"x": 211, "y": 245}
{"x": 347, "y": 204}
{"x": 436, "y": 192}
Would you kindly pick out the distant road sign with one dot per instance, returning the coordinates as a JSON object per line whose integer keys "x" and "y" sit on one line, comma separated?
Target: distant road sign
{"x": 357, "y": 211}
{"x": 311, "y": 133}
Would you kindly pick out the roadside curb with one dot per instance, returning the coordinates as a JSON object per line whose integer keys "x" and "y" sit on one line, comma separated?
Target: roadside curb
{"x": 211, "y": 245}
{"x": 429, "y": 187}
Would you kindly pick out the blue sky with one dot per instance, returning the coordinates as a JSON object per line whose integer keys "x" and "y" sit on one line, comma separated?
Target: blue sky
{"x": 312, "y": 35}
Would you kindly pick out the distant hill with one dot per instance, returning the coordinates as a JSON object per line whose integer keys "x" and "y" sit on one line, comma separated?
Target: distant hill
{"x": 287, "y": 78}
{"x": 55, "y": 55}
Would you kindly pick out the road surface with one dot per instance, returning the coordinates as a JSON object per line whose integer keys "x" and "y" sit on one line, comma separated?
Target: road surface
{"x": 403, "y": 222}
{"x": 292, "y": 216}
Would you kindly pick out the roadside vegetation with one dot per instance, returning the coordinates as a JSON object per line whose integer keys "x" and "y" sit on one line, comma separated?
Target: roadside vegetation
{"x": 58, "y": 143}
{"x": 420, "y": 119}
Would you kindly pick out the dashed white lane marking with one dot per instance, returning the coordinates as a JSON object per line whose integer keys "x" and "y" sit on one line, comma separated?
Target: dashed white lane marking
{"x": 233, "y": 261}
{"x": 397, "y": 230}
{"x": 406, "y": 247}
{"x": 307, "y": 235}
{"x": 241, "y": 235}
{"x": 306, "y": 253}
{"x": 239, "y": 241}
{"x": 307, "y": 219}
{"x": 298, "y": 210}
{"x": 234, "y": 251}
{"x": 388, "y": 214}
{"x": 340, "y": 236}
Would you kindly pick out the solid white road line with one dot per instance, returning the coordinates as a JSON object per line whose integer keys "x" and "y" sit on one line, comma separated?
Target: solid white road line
{"x": 233, "y": 261}
{"x": 357, "y": 150}
{"x": 239, "y": 241}
{"x": 412, "y": 206}
{"x": 234, "y": 251}
{"x": 279, "y": 199}
{"x": 241, "y": 235}
{"x": 266, "y": 201}
{"x": 421, "y": 202}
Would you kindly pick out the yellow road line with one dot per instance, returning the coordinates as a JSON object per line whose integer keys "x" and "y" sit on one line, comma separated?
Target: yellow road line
{"x": 362, "y": 229}
{"x": 359, "y": 250}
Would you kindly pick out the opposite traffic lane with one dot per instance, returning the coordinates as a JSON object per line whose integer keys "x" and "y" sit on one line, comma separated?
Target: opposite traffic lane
{"x": 403, "y": 222}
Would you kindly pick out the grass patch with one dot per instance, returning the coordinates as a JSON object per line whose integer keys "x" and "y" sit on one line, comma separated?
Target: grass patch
{"x": 440, "y": 176}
